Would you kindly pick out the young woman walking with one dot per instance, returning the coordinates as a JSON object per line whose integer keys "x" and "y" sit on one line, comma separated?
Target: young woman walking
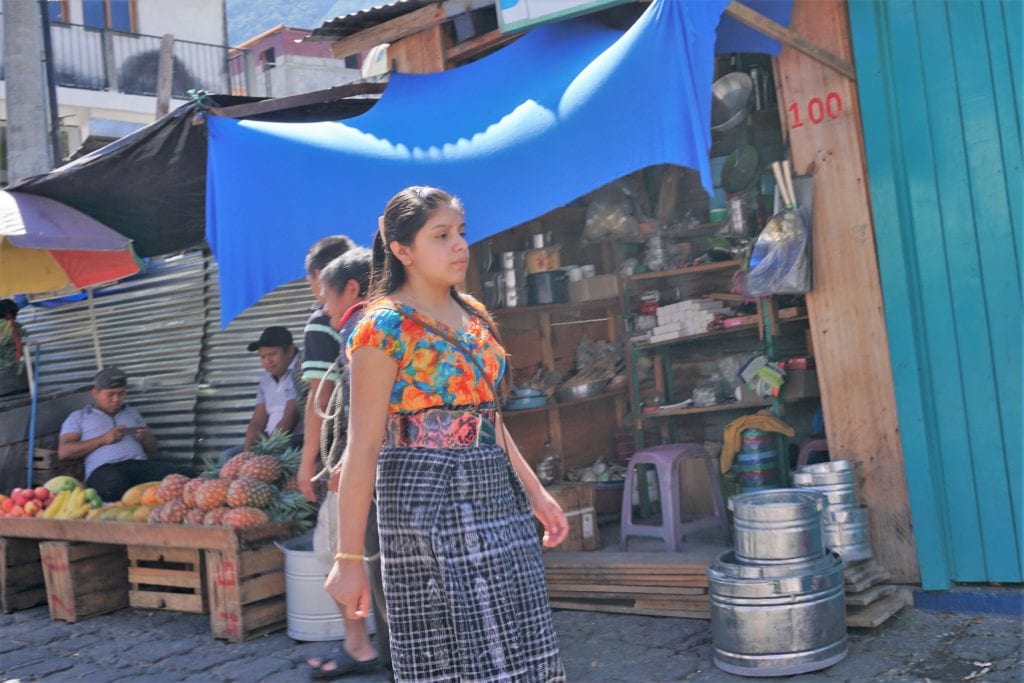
{"x": 463, "y": 575}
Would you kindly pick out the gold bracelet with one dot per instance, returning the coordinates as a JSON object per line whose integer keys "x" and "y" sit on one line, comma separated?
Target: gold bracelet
{"x": 350, "y": 556}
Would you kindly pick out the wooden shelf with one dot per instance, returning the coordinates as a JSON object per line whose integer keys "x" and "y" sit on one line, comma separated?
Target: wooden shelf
{"x": 567, "y": 307}
{"x": 554, "y": 405}
{"x": 711, "y": 335}
{"x": 692, "y": 270}
{"x": 718, "y": 407}
{"x": 722, "y": 407}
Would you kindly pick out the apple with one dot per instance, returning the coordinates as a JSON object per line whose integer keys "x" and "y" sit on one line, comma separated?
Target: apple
{"x": 32, "y": 508}
{"x": 17, "y": 511}
{"x": 42, "y": 493}
{"x": 7, "y": 505}
{"x": 19, "y": 498}
{"x": 30, "y": 494}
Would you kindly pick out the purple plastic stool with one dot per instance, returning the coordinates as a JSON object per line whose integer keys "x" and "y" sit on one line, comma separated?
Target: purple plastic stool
{"x": 666, "y": 460}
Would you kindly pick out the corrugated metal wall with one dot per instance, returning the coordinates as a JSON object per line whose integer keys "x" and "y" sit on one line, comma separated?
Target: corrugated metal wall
{"x": 151, "y": 326}
{"x": 194, "y": 383}
{"x": 230, "y": 373}
{"x": 940, "y": 94}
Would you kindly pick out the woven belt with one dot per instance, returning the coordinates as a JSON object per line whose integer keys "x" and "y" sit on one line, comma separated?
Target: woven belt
{"x": 440, "y": 428}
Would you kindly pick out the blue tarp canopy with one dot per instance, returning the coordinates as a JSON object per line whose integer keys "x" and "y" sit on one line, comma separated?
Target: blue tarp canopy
{"x": 563, "y": 110}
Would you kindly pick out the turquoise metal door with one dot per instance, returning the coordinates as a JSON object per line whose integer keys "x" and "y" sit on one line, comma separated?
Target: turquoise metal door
{"x": 940, "y": 92}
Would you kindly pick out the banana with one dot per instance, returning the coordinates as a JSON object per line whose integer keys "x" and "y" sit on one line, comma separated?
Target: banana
{"x": 72, "y": 505}
{"x": 95, "y": 513}
{"x": 57, "y": 505}
{"x": 81, "y": 511}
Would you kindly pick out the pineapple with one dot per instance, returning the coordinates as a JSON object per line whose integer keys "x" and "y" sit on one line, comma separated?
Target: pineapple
{"x": 292, "y": 507}
{"x": 290, "y": 461}
{"x": 156, "y": 515}
{"x": 275, "y": 444}
{"x": 215, "y": 517}
{"x": 212, "y": 493}
{"x": 245, "y": 492}
{"x": 195, "y": 516}
{"x": 290, "y": 484}
{"x": 231, "y": 467}
{"x": 242, "y": 517}
{"x": 171, "y": 487}
{"x": 174, "y": 512}
{"x": 263, "y": 467}
{"x": 188, "y": 493}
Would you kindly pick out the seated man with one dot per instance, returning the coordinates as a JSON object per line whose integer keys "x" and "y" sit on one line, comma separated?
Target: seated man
{"x": 112, "y": 438}
{"x": 279, "y": 398}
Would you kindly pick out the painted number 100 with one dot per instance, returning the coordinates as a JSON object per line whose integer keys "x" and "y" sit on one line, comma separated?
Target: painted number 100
{"x": 817, "y": 109}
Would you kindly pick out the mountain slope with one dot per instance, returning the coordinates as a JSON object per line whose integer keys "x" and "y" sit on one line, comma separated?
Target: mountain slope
{"x": 249, "y": 18}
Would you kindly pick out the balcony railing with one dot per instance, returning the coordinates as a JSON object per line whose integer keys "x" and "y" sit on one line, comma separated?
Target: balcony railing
{"x": 102, "y": 59}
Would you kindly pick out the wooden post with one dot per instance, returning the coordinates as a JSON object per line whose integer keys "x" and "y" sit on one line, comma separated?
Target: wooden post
{"x": 821, "y": 112}
{"x": 164, "y": 75}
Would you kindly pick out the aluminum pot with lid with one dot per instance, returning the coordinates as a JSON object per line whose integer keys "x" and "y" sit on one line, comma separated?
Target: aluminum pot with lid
{"x": 790, "y": 621}
{"x": 778, "y": 526}
{"x": 845, "y": 531}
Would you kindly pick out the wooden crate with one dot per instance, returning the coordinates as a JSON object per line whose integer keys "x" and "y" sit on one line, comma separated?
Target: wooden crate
{"x": 246, "y": 588}
{"x": 578, "y": 503}
{"x": 21, "y": 575}
{"x": 46, "y": 464}
{"x": 84, "y": 579}
{"x": 166, "y": 578}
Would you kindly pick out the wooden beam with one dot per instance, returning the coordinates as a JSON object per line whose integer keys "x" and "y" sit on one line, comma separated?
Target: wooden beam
{"x": 390, "y": 31}
{"x": 763, "y": 24}
{"x": 491, "y": 40}
{"x": 845, "y": 306}
{"x": 268, "y": 106}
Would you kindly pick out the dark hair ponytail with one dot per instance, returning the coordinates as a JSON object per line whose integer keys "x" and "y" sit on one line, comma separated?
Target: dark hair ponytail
{"x": 405, "y": 215}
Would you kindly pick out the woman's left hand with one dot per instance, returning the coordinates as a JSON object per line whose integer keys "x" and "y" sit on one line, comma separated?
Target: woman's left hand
{"x": 550, "y": 514}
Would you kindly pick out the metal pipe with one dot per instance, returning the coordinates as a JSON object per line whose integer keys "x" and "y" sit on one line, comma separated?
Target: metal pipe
{"x": 51, "y": 87}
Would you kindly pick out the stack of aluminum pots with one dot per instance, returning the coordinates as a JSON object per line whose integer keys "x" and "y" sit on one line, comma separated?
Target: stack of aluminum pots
{"x": 844, "y": 522}
{"x": 777, "y": 601}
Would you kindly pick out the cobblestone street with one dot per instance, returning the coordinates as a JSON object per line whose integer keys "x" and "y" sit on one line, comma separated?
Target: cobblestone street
{"x": 140, "y": 645}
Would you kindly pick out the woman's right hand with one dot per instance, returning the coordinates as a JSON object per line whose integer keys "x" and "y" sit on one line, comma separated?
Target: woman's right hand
{"x": 349, "y": 586}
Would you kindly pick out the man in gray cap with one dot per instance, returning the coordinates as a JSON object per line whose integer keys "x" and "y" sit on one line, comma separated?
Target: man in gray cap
{"x": 112, "y": 438}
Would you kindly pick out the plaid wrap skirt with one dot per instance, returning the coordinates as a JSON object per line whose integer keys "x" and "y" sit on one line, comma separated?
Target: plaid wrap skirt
{"x": 463, "y": 574}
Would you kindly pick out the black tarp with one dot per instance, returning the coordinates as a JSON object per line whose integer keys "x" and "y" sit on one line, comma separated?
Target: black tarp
{"x": 151, "y": 185}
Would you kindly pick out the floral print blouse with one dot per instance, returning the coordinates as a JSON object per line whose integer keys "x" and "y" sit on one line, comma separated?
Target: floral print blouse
{"x": 432, "y": 373}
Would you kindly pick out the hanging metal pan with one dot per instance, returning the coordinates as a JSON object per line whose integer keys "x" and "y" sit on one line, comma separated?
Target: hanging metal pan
{"x": 730, "y": 98}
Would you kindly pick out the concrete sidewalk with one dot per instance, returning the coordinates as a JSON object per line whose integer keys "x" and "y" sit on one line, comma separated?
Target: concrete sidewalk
{"x": 141, "y": 645}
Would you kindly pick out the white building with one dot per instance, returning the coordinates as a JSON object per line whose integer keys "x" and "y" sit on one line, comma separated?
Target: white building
{"x": 105, "y": 55}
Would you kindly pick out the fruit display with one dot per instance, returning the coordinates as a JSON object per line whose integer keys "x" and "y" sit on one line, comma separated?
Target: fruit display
{"x": 62, "y": 497}
{"x": 251, "y": 489}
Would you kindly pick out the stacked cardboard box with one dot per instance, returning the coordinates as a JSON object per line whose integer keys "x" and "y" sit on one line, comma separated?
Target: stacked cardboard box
{"x": 685, "y": 318}
{"x": 578, "y": 503}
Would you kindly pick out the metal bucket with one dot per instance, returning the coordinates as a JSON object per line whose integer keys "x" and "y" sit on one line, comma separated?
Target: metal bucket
{"x": 836, "y": 480}
{"x": 778, "y": 526}
{"x": 845, "y": 531}
{"x": 312, "y": 613}
{"x": 777, "y": 620}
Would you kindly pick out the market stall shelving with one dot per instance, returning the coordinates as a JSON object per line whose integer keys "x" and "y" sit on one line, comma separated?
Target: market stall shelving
{"x": 544, "y": 328}
{"x": 555, "y": 406}
{"x": 716, "y": 334}
{"x": 714, "y": 267}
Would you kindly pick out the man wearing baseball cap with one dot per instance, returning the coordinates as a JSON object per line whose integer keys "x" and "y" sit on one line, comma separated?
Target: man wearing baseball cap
{"x": 112, "y": 438}
{"x": 279, "y": 398}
